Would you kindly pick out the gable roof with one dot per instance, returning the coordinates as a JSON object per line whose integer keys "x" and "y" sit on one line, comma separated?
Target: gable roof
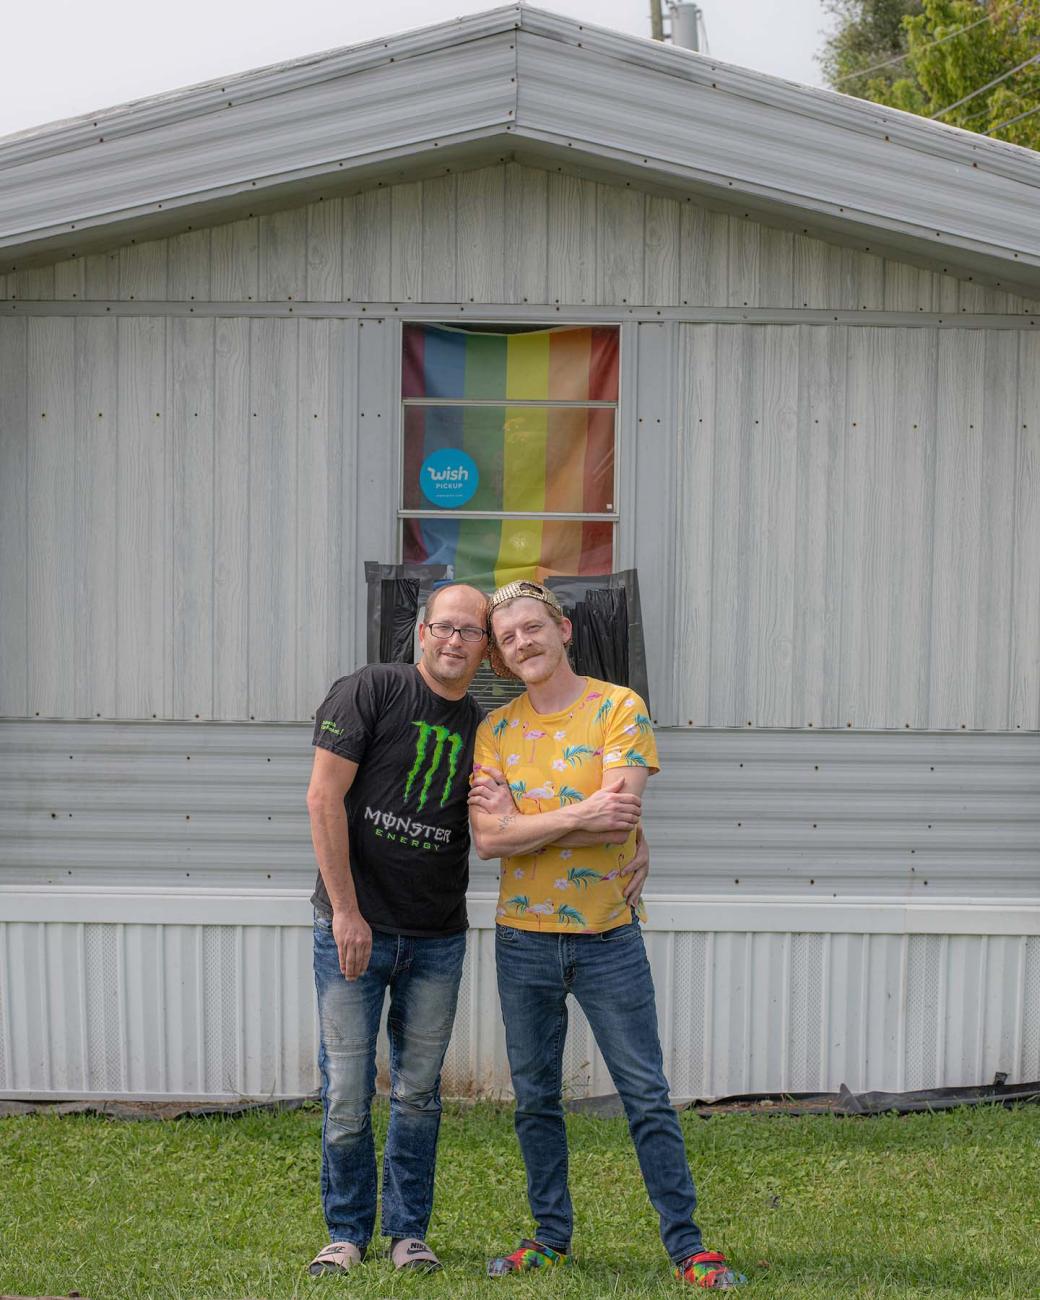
{"x": 522, "y": 83}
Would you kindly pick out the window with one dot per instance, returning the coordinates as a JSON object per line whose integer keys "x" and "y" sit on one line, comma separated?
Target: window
{"x": 509, "y": 451}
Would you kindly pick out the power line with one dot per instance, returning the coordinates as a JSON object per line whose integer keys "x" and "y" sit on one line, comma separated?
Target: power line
{"x": 901, "y": 58}
{"x": 987, "y": 109}
{"x": 988, "y": 86}
{"x": 1028, "y": 113}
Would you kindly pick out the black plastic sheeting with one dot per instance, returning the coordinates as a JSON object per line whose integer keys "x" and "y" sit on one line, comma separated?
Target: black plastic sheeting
{"x": 127, "y": 1108}
{"x": 395, "y": 594}
{"x": 399, "y": 596}
{"x": 604, "y": 611}
{"x": 844, "y": 1102}
{"x": 607, "y": 627}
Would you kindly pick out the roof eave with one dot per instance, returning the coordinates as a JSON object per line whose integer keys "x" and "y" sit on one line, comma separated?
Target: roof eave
{"x": 458, "y": 94}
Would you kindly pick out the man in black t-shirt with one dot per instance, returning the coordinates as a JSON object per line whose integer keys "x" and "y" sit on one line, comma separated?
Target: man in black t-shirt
{"x": 389, "y": 821}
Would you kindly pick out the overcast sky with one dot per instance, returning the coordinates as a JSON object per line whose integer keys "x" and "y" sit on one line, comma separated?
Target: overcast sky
{"x": 66, "y": 57}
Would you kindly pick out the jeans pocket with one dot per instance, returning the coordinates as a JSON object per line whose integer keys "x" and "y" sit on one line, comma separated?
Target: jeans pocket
{"x": 322, "y": 922}
{"x": 507, "y": 934}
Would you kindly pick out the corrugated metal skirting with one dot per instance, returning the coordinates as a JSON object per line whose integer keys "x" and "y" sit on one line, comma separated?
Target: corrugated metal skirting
{"x": 224, "y": 1011}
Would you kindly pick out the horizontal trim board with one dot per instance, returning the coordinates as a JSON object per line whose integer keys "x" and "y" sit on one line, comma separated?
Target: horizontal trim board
{"x": 554, "y": 314}
{"x": 548, "y": 403}
{"x": 462, "y": 513}
{"x": 669, "y": 913}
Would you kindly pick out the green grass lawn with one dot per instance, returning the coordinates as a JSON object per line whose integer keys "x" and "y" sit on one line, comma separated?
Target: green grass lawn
{"x": 926, "y": 1205}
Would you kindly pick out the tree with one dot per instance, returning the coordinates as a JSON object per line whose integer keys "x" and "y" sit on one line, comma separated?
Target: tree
{"x": 868, "y": 33}
{"x": 961, "y": 63}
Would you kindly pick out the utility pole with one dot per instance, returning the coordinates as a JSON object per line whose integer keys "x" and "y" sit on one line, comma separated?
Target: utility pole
{"x": 656, "y": 21}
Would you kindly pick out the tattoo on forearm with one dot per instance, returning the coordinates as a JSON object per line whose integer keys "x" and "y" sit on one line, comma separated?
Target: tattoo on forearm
{"x": 506, "y": 821}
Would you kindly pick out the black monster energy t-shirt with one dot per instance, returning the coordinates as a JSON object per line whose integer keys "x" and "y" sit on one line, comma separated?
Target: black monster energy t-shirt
{"x": 407, "y": 809}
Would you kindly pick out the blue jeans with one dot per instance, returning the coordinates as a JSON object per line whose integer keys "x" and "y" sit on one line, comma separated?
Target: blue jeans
{"x": 609, "y": 976}
{"x": 423, "y": 977}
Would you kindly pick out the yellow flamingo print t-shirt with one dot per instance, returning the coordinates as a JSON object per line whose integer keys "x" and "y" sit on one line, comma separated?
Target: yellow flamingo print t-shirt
{"x": 551, "y": 760}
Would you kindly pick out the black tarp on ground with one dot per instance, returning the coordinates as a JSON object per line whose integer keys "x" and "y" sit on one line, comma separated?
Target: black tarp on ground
{"x": 843, "y": 1102}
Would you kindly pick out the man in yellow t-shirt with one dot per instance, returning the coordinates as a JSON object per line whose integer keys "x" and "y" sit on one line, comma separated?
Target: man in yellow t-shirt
{"x": 574, "y": 755}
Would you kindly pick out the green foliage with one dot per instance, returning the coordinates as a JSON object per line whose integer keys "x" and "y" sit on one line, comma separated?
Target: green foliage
{"x": 868, "y": 32}
{"x": 945, "y": 63}
{"x": 818, "y": 1208}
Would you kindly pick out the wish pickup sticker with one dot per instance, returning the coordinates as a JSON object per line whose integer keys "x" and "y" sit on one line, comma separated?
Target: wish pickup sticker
{"x": 448, "y": 477}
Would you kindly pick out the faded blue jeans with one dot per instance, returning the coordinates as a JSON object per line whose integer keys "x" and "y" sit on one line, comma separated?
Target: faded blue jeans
{"x": 609, "y": 976}
{"x": 423, "y": 977}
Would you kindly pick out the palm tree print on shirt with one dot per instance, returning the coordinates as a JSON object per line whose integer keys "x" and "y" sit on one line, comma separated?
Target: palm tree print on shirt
{"x": 575, "y": 755}
{"x": 583, "y": 876}
{"x": 570, "y": 915}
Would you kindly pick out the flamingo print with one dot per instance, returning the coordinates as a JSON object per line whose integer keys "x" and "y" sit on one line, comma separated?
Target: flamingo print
{"x": 542, "y": 909}
{"x": 534, "y": 735}
{"x": 540, "y": 792}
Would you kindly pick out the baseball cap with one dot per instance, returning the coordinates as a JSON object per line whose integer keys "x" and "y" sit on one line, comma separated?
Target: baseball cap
{"x": 524, "y": 587}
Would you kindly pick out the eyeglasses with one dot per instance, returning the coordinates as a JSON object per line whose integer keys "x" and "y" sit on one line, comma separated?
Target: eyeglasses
{"x": 445, "y": 631}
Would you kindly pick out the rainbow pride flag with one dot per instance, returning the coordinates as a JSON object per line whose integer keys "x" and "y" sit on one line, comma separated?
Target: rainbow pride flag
{"x": 541, "y": 460}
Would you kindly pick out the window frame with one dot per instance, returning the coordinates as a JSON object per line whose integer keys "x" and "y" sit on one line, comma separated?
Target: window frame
{"x": 613, "y": 517}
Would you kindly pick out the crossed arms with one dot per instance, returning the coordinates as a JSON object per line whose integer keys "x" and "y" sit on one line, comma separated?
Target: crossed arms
{"x": 609, "y": 816}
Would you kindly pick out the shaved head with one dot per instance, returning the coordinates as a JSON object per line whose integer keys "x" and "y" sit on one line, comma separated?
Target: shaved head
{"x": 479, "y": 600}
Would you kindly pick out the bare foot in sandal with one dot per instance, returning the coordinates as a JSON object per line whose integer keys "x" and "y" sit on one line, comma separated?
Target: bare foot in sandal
{"x": 413, "y": 1254}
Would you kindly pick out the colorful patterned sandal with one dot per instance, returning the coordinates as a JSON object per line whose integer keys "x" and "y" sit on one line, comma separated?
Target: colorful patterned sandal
{"x": 708, "y": 1269}
{"x": 528, "y": 1255}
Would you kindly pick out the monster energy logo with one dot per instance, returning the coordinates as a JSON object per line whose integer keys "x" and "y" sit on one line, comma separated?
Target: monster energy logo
{"x": 442, "y": 736}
